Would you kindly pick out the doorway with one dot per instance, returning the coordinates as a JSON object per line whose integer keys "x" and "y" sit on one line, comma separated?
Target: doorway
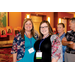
{"x": 36, "y": 22}
{"x": 65, "y": 23}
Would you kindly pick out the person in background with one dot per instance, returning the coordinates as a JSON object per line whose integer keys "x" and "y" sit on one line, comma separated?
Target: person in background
{"x": 9, "y": 31}
{"x": 23, "y": 44}
{"x": 48, "y": 47}
{"x": 69, "y": 41}
{"x": 61, "y": 34}
{"x": 54, "y": 30}
{"x": 3, "y": 32}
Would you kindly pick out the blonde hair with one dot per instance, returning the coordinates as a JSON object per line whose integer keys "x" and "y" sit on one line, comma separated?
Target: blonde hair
{"x": 23, "y": 28}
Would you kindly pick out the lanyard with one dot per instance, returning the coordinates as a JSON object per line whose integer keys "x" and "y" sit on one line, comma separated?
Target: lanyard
{"x": 41, "y": 42}
{"x": 29, "y": 40}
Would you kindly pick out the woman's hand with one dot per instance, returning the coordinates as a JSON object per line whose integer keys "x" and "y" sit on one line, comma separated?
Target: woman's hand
{"x": 14, "y": 57}
{"x": 54, "y": 60}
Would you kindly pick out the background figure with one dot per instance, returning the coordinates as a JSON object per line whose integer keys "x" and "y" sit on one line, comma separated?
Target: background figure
{"x": 61, "y": 34}
{"x": 16, "y": 32}
{"x": 9, "y": 31}
{"x": 3, "y": 32}
{"x": 69, "y": 41}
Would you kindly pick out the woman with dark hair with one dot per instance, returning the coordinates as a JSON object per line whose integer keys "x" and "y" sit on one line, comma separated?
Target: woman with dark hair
{"x": 9, "y": 31}
{"x": 48, "y": 47}
{"x": 22, "y": 49}
{"x": 3, "y": 32}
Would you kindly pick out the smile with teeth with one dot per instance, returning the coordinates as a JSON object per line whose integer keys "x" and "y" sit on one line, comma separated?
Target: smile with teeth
{"x": 44, "y": 31}
{"x": 28, "y": 27}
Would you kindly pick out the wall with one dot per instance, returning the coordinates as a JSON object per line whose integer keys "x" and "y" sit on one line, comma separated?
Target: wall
{"x": 62, "y": 15}
{"x": 14, "y": 21}
{"x": 48, "y": 14}
{"x": 16, "y": 18}
{"x": 65, "y": 14}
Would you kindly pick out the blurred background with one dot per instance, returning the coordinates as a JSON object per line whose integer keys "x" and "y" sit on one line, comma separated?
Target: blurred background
{"x": 14, "y": 22}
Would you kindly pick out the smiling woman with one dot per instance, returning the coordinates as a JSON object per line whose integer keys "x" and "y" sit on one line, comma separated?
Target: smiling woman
{"x": 44, "y": 29}
{"x": 23, "y": 44}
{"x": 48, "y": 47}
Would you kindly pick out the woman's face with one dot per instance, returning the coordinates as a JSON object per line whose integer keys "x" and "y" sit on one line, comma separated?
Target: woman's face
{"x": 44, "y": 29}
{"x": 3, "y": 32}
{"x": 28, "y": 26}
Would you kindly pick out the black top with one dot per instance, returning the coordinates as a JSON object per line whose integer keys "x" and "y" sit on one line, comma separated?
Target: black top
{"x": 70, "y": 36}
{"x": 45, "y": 48}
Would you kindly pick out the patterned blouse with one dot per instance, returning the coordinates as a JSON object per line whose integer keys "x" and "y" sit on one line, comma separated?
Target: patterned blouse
{"x": 70, "y": 36}
{"x": 19, "y": 46}
{"x": 56, "y": 48}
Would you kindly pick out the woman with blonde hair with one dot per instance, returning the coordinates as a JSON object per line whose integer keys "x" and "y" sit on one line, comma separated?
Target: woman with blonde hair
{"x": 23, "y": 44}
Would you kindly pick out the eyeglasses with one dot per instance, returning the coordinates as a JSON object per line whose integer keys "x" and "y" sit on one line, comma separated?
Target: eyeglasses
{"x": 44, "y": 27}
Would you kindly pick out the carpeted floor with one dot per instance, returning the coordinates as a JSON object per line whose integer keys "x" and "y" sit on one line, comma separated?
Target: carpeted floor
{"x": 5, "y": 55}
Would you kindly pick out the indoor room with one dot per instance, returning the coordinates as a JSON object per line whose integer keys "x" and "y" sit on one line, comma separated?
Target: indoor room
{"x": 11, "y": 24}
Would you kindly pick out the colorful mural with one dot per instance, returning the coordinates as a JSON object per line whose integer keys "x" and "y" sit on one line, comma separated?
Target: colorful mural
{"x": 3, "y": 19}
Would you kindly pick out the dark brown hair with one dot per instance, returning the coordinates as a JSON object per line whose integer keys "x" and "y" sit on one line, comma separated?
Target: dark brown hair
{"x": 49, "y": 27}
{"x": 23, "y": 28}
{"x": 61, "y": 24}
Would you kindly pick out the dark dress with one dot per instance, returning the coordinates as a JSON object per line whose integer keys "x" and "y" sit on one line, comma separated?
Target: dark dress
{"x": 45, "y": 49}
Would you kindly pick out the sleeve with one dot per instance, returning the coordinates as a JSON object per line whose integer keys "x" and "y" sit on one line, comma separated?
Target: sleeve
{"x": 36, "y": 34}
{"x": 56, "y": 47}
{"x": 14, "y": 46}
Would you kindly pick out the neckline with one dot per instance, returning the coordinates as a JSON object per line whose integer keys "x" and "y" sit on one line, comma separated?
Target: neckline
{"x": 45, "y": 38}
{"x": 62, "y": 34}
{"x": 27, "y": 37}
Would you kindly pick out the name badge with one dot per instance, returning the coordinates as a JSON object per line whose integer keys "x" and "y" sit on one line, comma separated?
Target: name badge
{"x": 31, "y": 50}
{"x": 38, "y": 55}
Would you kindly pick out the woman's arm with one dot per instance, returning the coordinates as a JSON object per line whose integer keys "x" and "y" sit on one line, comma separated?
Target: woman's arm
{"x": 14, "y": 57}
{"x": 56, "y": 48}
{"x": 14, "y": 49}
{"x": 54, "y": 60}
